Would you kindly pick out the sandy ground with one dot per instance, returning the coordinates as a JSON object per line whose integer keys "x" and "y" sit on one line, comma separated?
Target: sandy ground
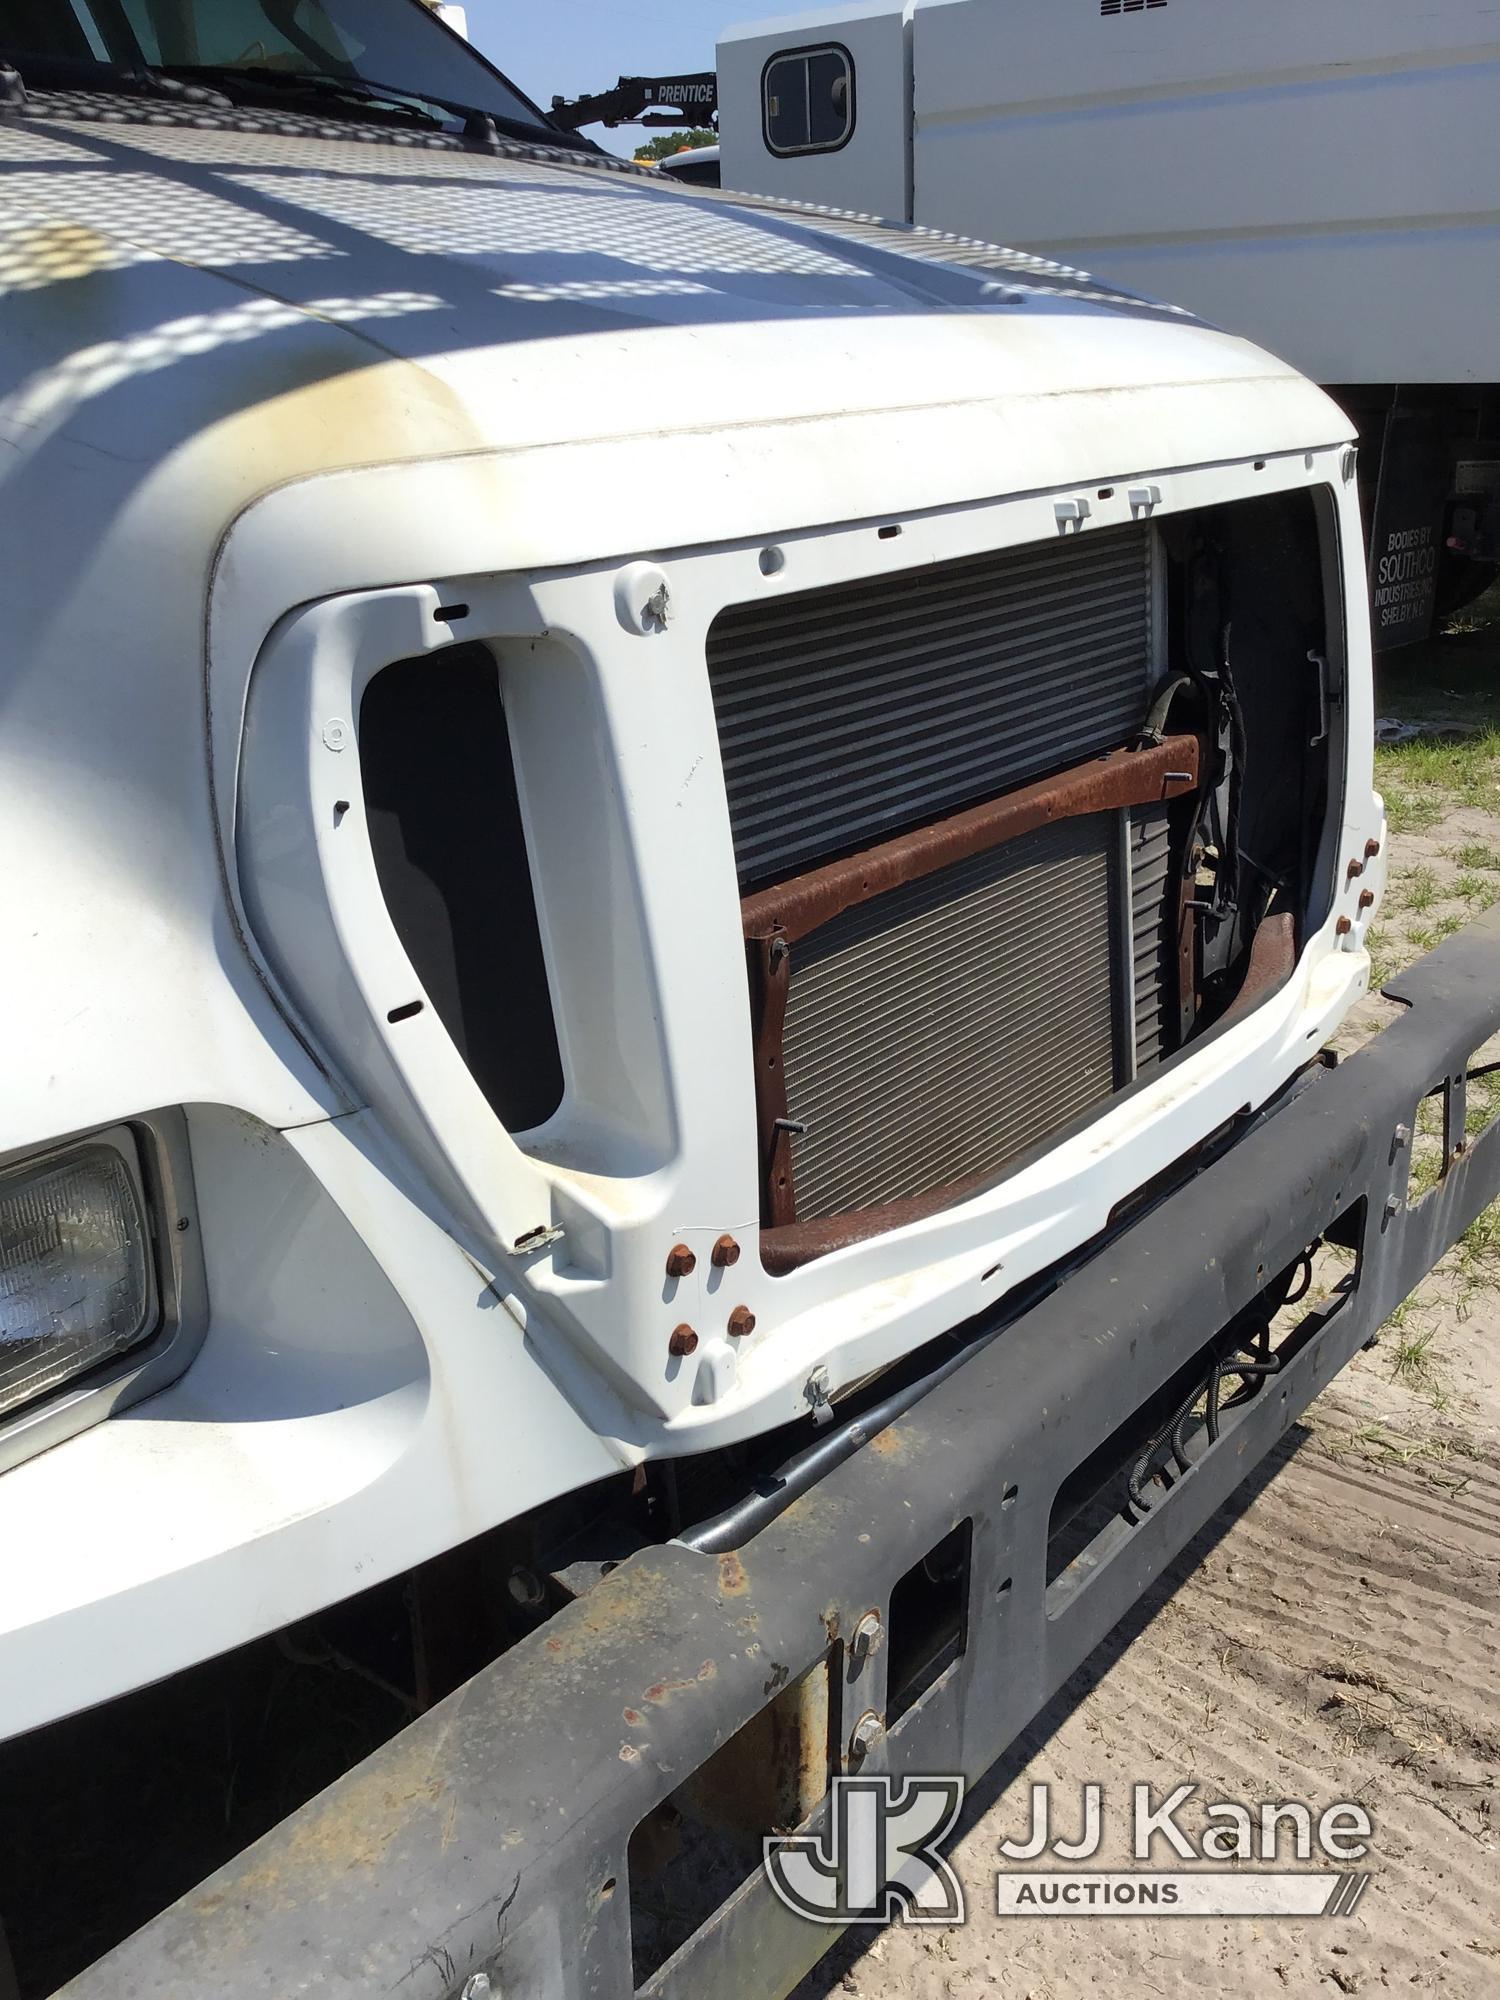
{"x": 1333, "y": 1635}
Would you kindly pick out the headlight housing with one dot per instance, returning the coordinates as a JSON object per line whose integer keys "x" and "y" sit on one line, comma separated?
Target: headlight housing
{"x": 77, "y": 1269}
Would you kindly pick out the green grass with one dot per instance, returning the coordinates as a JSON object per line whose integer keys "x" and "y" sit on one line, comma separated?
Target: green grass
{"x": 1418, "y": 889}
{"x": 1379, "y": 1445}
{"x": 1482, "y": 1101}
{"x": 1408, "y": 812}
{"x": 1386, "y": 959}
{"x": 1479, "y": 1246}
{"x": 1426, "y": 1172}
{"x": 1412, "y": 1360}
{"x": 1428, "y": 776}
{"x": 1452, "y": 763}
{"x": 1475, "y": 854}
{"x": 1476, "y": 888}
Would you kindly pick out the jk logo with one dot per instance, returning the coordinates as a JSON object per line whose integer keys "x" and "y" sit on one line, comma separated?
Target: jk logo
{"x": 877, "y": 1862}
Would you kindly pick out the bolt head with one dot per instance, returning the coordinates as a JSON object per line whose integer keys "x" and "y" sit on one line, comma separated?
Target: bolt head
{"x": 1372, "y": 848}
{"x": 683, "y": 1342}
{"x": 681, "y": 1263}
{"x": 1356, "y": 867}
{"x": 478, "y": 1988}
{"x": 525, "y": 1588}
{"x": 724, "y": 1253}
{"x": 642, "y": 598}
{"x": 1366, "y": 899}
{"x": 1343, "y": 927}
{"x": 868, "y": 1636}
{"x": 865, "y": 1734}
{"x": 741, "y": 1322}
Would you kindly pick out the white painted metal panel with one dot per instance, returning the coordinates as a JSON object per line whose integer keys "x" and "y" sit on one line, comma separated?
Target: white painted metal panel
{"x": 1312, "y": 176}
{"x": 869, "y": 173}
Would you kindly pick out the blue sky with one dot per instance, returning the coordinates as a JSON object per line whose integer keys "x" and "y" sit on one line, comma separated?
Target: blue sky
{"x": 573, "y": 46}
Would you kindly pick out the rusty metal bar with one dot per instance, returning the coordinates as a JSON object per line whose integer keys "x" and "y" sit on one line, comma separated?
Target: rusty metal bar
{"x": 793, "y": 908}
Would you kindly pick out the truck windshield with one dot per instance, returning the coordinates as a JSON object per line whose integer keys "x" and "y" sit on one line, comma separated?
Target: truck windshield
{"x": 366, "y": 45}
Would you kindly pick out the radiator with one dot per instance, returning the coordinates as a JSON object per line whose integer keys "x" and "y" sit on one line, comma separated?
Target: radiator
{"x": 849, "y": 713}
{"x": 933, "y": 1034}
{"x": 934, "y": 998}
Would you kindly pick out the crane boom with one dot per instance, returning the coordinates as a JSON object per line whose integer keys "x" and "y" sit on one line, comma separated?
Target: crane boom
{"x": 673, "y": 101}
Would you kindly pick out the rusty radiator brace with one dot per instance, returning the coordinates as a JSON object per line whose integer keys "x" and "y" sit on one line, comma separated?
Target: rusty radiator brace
{"x": 488, "y": 1848}
{"x": 778, "y": 918}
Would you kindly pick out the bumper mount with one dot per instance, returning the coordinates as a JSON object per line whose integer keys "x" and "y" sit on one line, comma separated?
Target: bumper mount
{"x": 492, "y": 1839}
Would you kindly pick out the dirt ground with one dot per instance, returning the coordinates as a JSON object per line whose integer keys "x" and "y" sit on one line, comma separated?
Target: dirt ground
{"x": 1334, "y": 1633}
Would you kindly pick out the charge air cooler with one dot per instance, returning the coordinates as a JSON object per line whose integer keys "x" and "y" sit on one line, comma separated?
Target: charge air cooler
{"x": 960, "y": 909}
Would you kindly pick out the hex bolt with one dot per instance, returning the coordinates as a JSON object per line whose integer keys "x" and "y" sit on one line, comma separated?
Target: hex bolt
{"x": 1399, "y": 1138}
{"x": 867, "y": 1636}
{"x": 525, "y": 1588}
{"x": 741, "y": 1322}
{"x": 478, "y": 1988}
{"x": 1343, "y": 927}
{"x": 1356, "y": 868}
{"x": 1372, "y": 848}
{"x": 865, "y": 1734}
{"x": 683, "y": 1342}
{"x": 1366, "y": 899}
{"x": 681, "y": 1263}
{"x": 724, "y": 1253}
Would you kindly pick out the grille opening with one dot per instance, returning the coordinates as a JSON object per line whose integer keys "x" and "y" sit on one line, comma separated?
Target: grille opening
{"x": 690, "y": 1854}
{"x": 928, "y": 1622}
{"x": 1140, "y": 1465}
{"x": 975, "y": 911}
{"x": 450, "y": 852}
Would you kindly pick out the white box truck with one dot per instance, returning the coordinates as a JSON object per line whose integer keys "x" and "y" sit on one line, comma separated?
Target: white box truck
{"x": 1320, "y": 178}
{"x": 672, "y": 875}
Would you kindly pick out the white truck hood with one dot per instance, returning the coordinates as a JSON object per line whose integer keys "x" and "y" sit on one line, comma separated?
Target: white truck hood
{"x": 340, "y": 303}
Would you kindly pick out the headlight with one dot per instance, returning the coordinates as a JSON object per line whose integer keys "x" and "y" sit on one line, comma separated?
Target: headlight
{"x": 76, "y": 1269}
